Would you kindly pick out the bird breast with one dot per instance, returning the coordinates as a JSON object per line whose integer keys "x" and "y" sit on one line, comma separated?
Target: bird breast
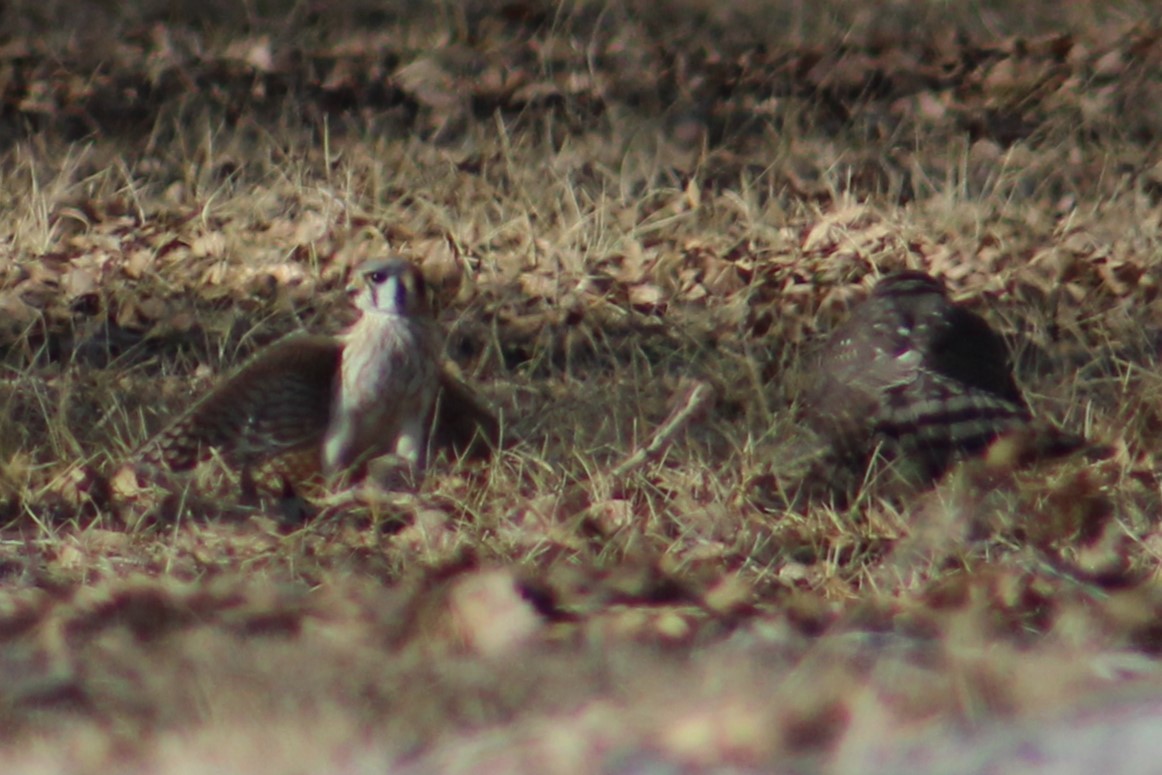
{"x": 388, "y": 356}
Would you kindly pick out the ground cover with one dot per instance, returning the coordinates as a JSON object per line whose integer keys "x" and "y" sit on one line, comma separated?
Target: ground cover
{"x": 638, "y": 219}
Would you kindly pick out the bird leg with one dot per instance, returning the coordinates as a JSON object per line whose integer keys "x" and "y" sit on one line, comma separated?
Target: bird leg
{"x": 411, "y": 444}
{"x": 337, "y": 446}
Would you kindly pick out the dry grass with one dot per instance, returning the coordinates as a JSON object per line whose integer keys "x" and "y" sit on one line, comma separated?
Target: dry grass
{"x": 617, "y": 206}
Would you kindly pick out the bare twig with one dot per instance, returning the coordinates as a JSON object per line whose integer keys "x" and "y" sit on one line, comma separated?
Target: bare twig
{"x": 694, "y": 402}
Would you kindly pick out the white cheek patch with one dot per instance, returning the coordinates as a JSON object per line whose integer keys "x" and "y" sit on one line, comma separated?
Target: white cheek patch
{"x": 387, "y": 295}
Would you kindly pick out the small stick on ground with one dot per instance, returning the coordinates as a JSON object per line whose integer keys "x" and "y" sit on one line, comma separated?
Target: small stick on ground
{"x": 695, "y": 401}
{"x": 692, "y": 403}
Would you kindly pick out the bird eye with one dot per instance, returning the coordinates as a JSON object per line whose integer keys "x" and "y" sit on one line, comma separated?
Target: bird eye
{"x": 378, "y": 277}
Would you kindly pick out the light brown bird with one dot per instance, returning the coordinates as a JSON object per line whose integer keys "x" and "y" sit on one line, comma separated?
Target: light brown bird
{"x": 377, "y": 389}
{"x": 389, "y": 372}
{"x": 920, "y": 380}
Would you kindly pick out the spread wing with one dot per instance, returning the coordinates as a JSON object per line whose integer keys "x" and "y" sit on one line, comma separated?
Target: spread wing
{"x": 277, "y": 403}
{"x": 280, "y": 402}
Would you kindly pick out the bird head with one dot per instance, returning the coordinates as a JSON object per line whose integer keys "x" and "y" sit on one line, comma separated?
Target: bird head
{"x": 389, "y": 286}
{"x": 909, "y": 283}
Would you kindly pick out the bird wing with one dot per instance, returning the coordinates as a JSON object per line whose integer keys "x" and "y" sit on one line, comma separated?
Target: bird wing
{"x": 464, "y": 423}
{"x": 277, "y": 402}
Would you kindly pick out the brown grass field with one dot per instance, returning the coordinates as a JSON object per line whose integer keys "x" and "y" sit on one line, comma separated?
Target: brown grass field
{"x": 638, "y": 219}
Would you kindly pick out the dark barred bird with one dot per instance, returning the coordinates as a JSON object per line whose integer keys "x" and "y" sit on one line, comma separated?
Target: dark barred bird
{"x": 918, "y": 381}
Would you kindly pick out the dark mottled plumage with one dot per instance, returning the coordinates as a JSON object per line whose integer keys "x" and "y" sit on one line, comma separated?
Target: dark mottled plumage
{"x": 918, "y": 378}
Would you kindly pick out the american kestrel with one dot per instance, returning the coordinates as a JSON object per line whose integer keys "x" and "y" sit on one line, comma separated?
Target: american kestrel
{"x": 919, "y": 379}
{"x": 378, "y": 388}
{"x": 389, "y": 372}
